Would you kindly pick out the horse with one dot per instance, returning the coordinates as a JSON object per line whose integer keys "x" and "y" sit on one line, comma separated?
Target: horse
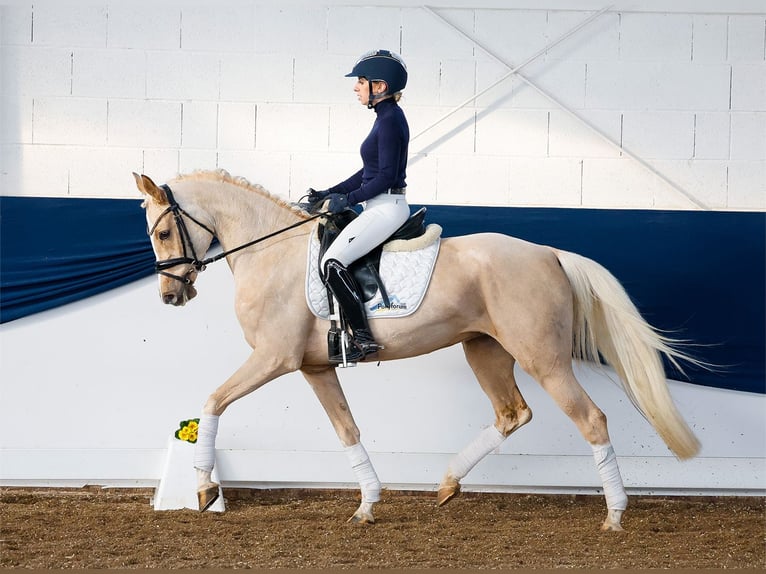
{"x": 505, "y": 300}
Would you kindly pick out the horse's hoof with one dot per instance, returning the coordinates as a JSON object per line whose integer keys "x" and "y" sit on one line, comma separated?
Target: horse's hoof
{"x": 612, "y": 521}
{"x": 447, "y": 493}
{"x": 207, "y": 495}
{"x": 362, "y": 519}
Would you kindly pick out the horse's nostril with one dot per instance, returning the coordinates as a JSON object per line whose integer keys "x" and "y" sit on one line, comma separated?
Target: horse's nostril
{"x": 168, "y": 298}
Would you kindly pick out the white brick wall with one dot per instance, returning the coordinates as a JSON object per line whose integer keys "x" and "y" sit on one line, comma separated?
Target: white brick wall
{"x": 81, "y": 24}
{"x": 199, "y": 128}
{"x": 130, "y": 26}
{"x": 92, "y": 90}
{"x": 571, "y": 137}
{"x": 513, "y": 132}
{"x": 243, "y": 78}
{"x": 206, "y": 26}
{"x": 181, "y": 75}
{"x": 657, "y": 85}
{"x": 108, "y": 73}
{"x": 69, "y": 121}
{"x": 748, "y": 87}
{"x": 659, "y": 134}
{"x": 36, "y": 72}
{"x": 144, "y": 123}
{"x": 656, "y": 37}
{"x": 711, "y": 135}
{"x": 709, "y": 38}
{"x": 601, "y": 40}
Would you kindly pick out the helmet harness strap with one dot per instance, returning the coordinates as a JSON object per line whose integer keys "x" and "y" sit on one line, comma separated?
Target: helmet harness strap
{"x": 373, "y": 98}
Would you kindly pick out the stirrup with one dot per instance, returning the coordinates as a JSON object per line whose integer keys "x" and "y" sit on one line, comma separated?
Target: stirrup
{"x": 367, "y": 347}
{"x": 353, "y": 355}
{"x": 365, "y": 342}
{"x": 356, "y": 351}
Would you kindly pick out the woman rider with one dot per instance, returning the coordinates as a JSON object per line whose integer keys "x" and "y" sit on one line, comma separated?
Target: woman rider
{"x": 380, "y": 185}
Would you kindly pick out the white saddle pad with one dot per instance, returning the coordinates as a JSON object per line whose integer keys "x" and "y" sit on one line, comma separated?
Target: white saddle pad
{"x": 405, "y": 270}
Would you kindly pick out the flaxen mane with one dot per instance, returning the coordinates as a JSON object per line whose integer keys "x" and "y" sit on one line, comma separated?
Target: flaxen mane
{"x": 242, "y": 182}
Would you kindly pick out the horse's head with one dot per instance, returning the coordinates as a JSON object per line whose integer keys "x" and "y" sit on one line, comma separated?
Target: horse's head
{"x": 177, "y": 238}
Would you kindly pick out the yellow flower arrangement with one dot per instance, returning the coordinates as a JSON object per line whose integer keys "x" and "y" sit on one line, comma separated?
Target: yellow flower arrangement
{"x": 188, "y": 430}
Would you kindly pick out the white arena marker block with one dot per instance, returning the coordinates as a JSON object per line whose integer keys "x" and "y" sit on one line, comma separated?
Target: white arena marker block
{"x": 178, "y": 485}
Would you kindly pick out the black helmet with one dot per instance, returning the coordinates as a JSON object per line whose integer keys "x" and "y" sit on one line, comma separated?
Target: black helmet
{"x": 382, "y": 65}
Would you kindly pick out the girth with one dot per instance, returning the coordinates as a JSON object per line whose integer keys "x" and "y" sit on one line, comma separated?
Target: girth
{"x": 366, "y": 269}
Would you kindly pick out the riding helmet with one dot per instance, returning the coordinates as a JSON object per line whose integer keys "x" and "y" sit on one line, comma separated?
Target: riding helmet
{"x": 382, "y": 65}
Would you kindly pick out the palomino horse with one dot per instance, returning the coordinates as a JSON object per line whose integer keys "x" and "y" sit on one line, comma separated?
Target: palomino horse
{"x": 518, "y": 302}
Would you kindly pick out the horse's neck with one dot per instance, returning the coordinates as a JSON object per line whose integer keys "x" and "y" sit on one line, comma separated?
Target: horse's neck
{"x": 241, "y": 215}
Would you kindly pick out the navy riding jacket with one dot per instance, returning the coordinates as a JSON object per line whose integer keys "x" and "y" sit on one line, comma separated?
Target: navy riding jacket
{"x": 384, "y": 156}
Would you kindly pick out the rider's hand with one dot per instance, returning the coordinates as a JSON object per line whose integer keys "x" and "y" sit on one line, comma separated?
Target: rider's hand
{"x": 336, "y": 202}
{"x": 316, "y": 196}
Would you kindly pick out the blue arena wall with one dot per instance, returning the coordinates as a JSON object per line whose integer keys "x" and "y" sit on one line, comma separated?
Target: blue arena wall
{"x": 699, "y": 276}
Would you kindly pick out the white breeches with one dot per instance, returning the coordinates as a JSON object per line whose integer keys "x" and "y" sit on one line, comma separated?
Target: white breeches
{"x": 381, "y": 217}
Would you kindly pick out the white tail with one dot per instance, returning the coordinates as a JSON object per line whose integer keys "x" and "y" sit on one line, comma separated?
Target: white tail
{"x": 607, "y": 322}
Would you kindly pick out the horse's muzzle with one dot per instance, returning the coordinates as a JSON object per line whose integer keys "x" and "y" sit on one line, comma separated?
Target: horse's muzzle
{"x": 180, "y": 298}
{"x": 177, "y": 292}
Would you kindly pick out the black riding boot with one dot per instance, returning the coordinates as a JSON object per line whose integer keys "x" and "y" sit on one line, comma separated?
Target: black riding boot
{"x": 344, "y": 288}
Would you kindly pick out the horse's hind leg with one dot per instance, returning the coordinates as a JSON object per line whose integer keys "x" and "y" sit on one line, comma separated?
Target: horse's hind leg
{"x": 571, "y": 398}
{"x": 493, "y": 367}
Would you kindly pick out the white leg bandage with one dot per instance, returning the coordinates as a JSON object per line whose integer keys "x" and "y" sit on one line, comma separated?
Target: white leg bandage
{"x": 365, "y": 474}
{"x": 606, "y": 462}
{"x": 204, "y": 453}
{"x": 487, "y": 441}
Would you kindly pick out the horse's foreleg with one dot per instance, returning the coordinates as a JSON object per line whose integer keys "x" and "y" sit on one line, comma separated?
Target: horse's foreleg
{"x": 368, "y": 483}
{"x": 254, "y": 373}
{"x": 327, "y": 388}
{"x": 204, "y": 460}
{"x": 493, "y": 368}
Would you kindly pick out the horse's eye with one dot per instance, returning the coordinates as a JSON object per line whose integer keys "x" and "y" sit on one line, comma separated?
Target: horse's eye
{"x": 163, "y": 235}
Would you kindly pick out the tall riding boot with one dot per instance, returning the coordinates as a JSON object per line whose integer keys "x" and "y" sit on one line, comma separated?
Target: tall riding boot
{"x": 344, "y": 288}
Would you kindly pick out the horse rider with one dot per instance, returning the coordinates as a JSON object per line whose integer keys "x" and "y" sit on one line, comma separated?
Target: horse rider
{"x": 379, "y": 185}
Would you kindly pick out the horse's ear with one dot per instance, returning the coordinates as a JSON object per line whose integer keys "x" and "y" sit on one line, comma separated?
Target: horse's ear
{"x": 148, "y": 187}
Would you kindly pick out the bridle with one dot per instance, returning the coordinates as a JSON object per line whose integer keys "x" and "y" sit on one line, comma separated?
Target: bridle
{"x": 189, "y": 254}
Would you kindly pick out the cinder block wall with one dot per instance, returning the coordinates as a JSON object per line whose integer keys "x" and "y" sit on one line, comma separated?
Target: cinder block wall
{"x": 92, "y": 91}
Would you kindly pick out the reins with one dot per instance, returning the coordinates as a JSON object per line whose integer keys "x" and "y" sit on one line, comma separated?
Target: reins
{"x": 198, "y": 265}
{"x": 256, "y": 241}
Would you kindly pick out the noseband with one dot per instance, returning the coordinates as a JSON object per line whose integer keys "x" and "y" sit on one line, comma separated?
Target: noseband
{"x": 160, "y": 267}
{"x": 190, "y": 255}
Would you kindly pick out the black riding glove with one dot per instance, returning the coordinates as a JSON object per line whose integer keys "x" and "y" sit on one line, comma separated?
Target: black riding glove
{"x": 317, "y": 196}
{"x": 336, "y": 202}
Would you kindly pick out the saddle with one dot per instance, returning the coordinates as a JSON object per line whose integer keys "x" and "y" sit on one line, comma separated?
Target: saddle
{"x": 366, "y": 270}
